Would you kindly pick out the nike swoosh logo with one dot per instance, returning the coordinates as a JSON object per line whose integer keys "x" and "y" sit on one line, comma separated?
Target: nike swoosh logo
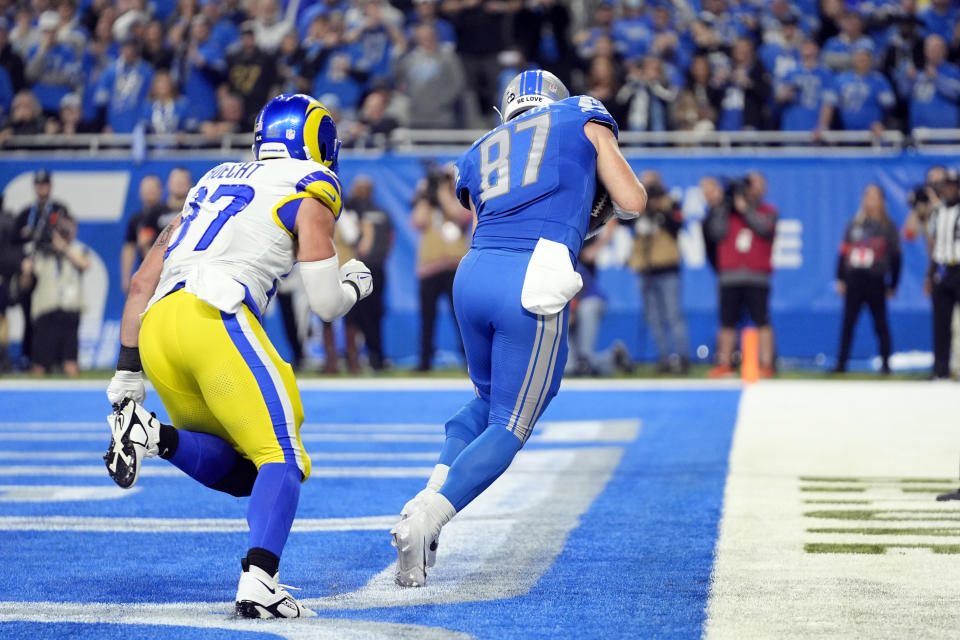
{"x": 266, "y": 586}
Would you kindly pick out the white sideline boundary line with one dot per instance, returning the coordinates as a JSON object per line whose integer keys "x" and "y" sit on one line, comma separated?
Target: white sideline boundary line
{"x": 409, "y": 384}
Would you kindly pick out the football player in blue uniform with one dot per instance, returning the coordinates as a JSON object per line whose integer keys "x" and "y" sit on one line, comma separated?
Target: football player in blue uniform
{"x": 531, "y": 183}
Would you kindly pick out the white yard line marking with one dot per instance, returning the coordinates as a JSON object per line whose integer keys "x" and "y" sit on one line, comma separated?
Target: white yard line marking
{"x": 216, "y": 615}
{"x": 59, "y": 493}
{"x": 859, "y": 562}
{"x": 377, "y": 385}
{"x": 184, "y": 525}
{"x": 155, "y": 470}
{"x": 49, "y": 456}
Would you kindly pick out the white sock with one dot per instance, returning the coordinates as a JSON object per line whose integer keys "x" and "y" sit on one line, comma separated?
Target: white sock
{"x": 438, "y": 510}
{"x": 438, "y": 477}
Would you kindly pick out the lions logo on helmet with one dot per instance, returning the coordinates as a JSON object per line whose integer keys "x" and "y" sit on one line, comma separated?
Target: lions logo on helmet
{"x": 531, "y": 89}
{"x": 296, "y": 126}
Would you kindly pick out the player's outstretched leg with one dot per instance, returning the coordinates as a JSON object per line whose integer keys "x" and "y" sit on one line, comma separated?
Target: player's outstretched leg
{"x": 135, "y": 434}
{"x": 273, "y": 505}
{"x": 413, "y": 536}
{"x": 477, "y": 466}
{"x": 460, "y": 430}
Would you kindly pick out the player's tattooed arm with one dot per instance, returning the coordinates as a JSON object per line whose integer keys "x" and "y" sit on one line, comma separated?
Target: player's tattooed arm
{"x": 164, "y": 237}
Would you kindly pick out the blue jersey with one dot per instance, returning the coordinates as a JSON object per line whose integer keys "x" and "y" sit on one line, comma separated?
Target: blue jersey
{"x": 123, "y": 90}
{"x": 933, "y": 100}
{"x": 803, "y": 112}
{"x": 534, "y": 176}
{"x": 861, "y": 101}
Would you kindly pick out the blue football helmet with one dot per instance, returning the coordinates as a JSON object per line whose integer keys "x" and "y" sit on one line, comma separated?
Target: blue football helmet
{"x": 296, "y": 126}
{"x": 531, "y": 89}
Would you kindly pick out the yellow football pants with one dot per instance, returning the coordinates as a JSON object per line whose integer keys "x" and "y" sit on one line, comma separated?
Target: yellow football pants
{"x": 218, "y": 373}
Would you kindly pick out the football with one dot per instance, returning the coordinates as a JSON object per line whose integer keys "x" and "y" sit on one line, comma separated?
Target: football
{"x": 601, "y": 211}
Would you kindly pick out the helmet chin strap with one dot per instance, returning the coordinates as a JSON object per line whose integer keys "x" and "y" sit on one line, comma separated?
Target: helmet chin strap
{"x": 498, "y": 113}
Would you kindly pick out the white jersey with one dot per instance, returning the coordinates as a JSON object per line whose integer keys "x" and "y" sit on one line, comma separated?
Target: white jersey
{"x": 235, "y": 241}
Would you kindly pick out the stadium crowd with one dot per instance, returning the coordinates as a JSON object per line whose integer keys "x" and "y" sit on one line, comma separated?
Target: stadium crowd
{"x": 206, "y": 66}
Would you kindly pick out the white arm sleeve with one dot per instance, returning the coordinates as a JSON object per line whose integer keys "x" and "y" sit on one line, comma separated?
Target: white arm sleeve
{"x": 329, "y": 298}
{"x": 622, "y": 213}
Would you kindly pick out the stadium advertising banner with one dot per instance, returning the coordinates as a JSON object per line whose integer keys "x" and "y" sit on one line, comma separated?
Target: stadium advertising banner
{"x": 816, "y": 197}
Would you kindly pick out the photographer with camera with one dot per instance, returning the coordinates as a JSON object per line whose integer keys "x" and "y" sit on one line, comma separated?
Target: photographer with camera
{"x": 444, "y": 226}
{"x": 34, "y": 232}
{"x": 55, "y": 270}
{"x": 739, "y": 230}
{"x": 656, "y": 258}
{"x": 915, "y": 226}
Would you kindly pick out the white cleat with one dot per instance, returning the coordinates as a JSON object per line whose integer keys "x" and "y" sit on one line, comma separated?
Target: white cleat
{"x": 416, "y": 504}
{"x": 260, "y": 596}
{"x": 412, "y": 537}
{"x": 135, "y": 434}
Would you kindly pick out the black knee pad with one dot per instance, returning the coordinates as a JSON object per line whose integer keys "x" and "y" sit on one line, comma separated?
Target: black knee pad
{"x": 239, "y": 480}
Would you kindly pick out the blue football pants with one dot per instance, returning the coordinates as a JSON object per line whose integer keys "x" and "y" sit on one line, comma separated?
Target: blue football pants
{"x": 515, "y": 360}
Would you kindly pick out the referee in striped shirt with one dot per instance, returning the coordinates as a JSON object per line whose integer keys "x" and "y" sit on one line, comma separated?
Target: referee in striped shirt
{"x": 944, "y": 273}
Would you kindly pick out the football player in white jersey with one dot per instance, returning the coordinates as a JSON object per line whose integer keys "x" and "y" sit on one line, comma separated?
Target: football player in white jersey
{"x": 192, "y": 317}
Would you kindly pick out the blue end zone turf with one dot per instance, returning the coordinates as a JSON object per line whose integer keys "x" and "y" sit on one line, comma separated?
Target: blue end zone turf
{"x": 637, "y": 565}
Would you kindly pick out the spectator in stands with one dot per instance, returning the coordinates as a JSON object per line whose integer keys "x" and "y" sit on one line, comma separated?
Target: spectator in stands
{"x": 631, "y": 30}
{"x": 251, "y": 74}
{"x": 222, "y": 30}
{"x": 229, "y": 117}
{"x": 70, "y": 120}
{"x": 706, "y": 96}
{"x": 123, "y": 88}
{"x": 656, "y": 258}
{"x": 780, "y": 51}
{"x": 270, "y": 24}
{"x": 741, "y": 227}
{"x": 34, "y": 229}
{"x": 373, "y": 248}
{"x": 443, "y": 224}
{"x": 647, "y": 97}
{"x": 902, "y": 56}
{"x": 868, "y": 270}
{"x": 375, "y": 37}
{"x": 55, "y": 268}
{"x": 22, "y": 35}
{"x": 328, "y": 63}
{"x": 25, "y": 117}
{"x": 939, "y": 18}
{"x": 433, "y": 78}
{"x": 199, "y": 69}
{"x": 746, "y": 90}
{"x": 602, "y": 84}
{"x": 862, "y": 98}
{"x": 53, "y": 68}
{"x": 540, "y": 29}
{"x": 800, "y": 92}
{"x": 839, "y": 50}
{"x": 425, "y": 12}
{"x": 155, "y": 50}
{"x": 165, "y": 110}
{"x": 10, "y": 60}
{"x": 933, "y": 92}
{"x": 70, "y": 32}
{"x": 6, "y": 92}
{"x": 141, "y": 228}
{"x": 481, "y": 35}
{"x": 374, "y": 126}
{"x": 602, "y": 26}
